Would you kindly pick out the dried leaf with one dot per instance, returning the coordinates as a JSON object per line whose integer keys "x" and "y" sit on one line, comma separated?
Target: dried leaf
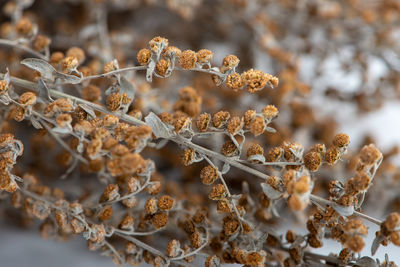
{"x": 159, "y": 128}
{"x": 46, "y": 70}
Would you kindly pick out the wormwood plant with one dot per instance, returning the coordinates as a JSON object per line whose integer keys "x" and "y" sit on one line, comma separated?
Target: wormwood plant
{"x": 177, "y": 160}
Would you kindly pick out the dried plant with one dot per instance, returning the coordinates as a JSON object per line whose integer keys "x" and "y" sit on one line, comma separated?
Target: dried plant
{"x": 186, "y": 157}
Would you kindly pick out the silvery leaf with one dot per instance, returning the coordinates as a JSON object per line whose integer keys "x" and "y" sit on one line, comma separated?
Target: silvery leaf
{"x": 44, "y": 91}
{"x": 67, "y": 78}
{"x": 270, "y": 129}
{"x": 46, "y": 70}
{"x": 257, "y": 158}
{"x": 204, "y": 135}
{"x": 297, "y": 242}
{"x": 126, "y": 87}
{"x": 270, "y": 192}
{"x": 343, "y": 210}
{"x": 7, "y": 76}
{"x": 61, "y": 130}
{"x": 376, "y": 243}
{"x": 366, "y": 262}
{"x": 88, "y": 110}
{"x": 150, "y": 70}
{"x": 36, "y": 124}
{"x": 225, "y": 168}
{"x": 159, "y": 128}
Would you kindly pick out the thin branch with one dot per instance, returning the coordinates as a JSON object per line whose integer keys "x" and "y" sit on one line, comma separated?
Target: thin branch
{"x": 19, "y": 46}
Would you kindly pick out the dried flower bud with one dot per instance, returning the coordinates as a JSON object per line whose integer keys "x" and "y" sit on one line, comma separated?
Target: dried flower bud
{"x": 213, "y": 261}
{"x": 63, "y": 120}
{"x": 208, "y": 175}
{"x": 341, "y": 140}
{"x": 220, "y": 119}
{"x": 332, "y": 155}
{"x": 105, "y": 213}
{"x": 291, "y": 236}
{"x": 24, "y": 27}
{"x": 195, "y": 239}
{"x": 159, "y": 220}
{"x": 56, "y": 58}
{"x": 162, "y": 66}
{"x": 257, "y": 126}
{"x": 369, "y": 155}
{"x": 154, "y": 188}
{"x": 355, "y": 243}
{"x": 69, "y": 64}
{"x": 255, "y": 80}
{"x": 158, "y": 43}
{"x": 188, "y": 156}
{"x": 166, "y": 203}
{"x": 110, "y": 66}
{"x": 110, "y": 193}
{"x": 229, "y": 149}
{"x": 172, "y": 52}
{"x": 234, "y": 81}
{"x": 127, "y": 223}
{"x": 254, "y": 149}
{"x": 249, "y": 116}
{"x": 3, "y": 87}
{"x": 392, "y": 221}
{"x": 41, "y": 42}
{"x": 188, "y": 59}
{"x": 77, "y": 53}
{"x": 144, "y": 56}
{"x": 312, "y": 161}
{"x": 173, "y": 248}
{"x": 203, "y": 122}
{"x": 235, "y": 124}
{"x": 230, "y": 61}
{"x": 27, "y": 99}
{"x": 269, "y": 112}
{"x": 151, "y": 206}
{"x": 204, "y": 56}
{"x": 218, "y": 192}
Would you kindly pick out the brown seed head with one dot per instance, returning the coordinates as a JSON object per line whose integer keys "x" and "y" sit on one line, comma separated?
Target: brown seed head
{"x": 217, "y": 192}
{"x": 77, "y": 53}
{"x": 234, "y": 81}
{"x": 312, "y": 161}
{"x": 165, "y": 203}
{"x": 204, "y": 56}
{"x": 203, "y": 121}
{"x": 220, "y": 118}
{"x": 144, "y": 56}
{"x": 257, "y": 126}
{"x": 269, "y": 112}
{"x": 341, "y": 140}
{"x": 27, "y": 99}
{"x": 208, "y": 175}
{"x": 188, "y": 59}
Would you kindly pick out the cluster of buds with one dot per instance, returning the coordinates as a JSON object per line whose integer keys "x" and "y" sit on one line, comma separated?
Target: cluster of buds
{"x": 10, "y": 149}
